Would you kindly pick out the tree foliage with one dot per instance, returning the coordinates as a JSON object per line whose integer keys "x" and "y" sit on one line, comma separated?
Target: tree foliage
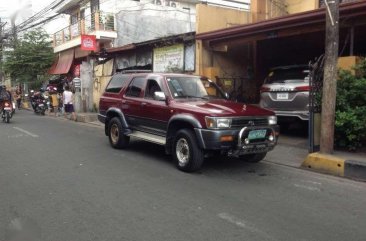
{"x": 32, "y": 57}
{"x": 350, "y": 127}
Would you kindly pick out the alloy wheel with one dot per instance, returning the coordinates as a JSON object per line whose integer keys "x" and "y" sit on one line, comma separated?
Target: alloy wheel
{"x": 182, "y": 152}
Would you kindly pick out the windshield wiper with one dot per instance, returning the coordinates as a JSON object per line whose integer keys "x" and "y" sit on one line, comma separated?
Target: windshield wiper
{"x": 192, "y": 96}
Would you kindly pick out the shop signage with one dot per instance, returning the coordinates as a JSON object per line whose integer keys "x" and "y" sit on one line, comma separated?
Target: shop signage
{"x": 88, "y": 43}
{"x": 169, "y": 58}
{"x": 77, "y": 82}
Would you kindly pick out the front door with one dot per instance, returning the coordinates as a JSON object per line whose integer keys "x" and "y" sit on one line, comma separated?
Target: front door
{"x": 156, "y": 114}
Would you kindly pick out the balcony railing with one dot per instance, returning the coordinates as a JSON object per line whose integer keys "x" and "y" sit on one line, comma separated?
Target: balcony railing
{"x": 98, "y": 21}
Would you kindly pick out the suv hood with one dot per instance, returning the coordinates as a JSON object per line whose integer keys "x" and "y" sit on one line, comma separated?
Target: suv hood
{"x": 221, "y": 108}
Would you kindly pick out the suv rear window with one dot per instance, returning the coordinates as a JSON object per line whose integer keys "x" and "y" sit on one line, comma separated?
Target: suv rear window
{"x": 116, "y": 83}
{"x": 288, "y": 75}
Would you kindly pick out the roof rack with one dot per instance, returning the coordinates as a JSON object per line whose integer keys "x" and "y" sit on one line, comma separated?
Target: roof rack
{"x": 132, "y": 71}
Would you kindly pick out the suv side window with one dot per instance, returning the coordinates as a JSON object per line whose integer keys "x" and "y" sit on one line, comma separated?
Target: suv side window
{"x": 151, "y": 87}
{"x": 135, "y": 87}
{"x": 116, "y": 83}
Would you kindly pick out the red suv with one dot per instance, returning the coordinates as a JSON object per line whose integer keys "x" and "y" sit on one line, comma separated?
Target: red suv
{"x": 190, "y": 115}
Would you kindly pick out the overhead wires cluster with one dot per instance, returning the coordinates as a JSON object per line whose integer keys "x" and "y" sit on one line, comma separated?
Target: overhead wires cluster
{"x": 39, "y": 18}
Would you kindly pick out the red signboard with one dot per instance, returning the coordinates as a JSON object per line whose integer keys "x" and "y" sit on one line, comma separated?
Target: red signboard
{"x": 88, "y": 43}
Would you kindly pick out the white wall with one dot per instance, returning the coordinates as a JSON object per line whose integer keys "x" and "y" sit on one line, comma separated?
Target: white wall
{"x": 139, "y": 21}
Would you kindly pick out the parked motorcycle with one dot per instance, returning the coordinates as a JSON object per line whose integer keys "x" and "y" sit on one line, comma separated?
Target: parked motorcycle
{"x": 7, "y": 111}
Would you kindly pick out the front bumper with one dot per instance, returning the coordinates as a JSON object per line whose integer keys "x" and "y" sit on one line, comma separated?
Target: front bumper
{"x": 211, "y": 140}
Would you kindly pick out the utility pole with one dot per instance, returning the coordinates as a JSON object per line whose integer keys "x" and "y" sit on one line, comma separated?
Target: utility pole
{"x": 330, "y": 77}
{"x": 1, "y": 51}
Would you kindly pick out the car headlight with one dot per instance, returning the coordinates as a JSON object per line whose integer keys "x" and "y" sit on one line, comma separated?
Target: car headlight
{"x": 272, "y": 120}
{"x": 215, "y": 122}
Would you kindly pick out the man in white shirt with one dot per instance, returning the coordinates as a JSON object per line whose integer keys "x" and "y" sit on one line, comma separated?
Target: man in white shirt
{"x": 67, "y": 97}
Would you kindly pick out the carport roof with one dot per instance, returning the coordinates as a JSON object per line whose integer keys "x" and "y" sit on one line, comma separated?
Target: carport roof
{"x": 346, "y": 10}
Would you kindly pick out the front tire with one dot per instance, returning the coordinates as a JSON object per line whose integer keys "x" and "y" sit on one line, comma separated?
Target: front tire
{"x": 188, "y": 157}
{"x": 115, "y": 133}
{"x": 254, "y": 157}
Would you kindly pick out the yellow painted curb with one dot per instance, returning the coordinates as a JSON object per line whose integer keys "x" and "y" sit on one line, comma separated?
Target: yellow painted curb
{"x": 324, "y": 163}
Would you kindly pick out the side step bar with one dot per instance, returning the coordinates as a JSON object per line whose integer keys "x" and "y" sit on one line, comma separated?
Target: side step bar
{"x": 148, "y": 137}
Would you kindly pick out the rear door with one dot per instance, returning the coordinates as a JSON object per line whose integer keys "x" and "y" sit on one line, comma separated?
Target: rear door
{"x": 132, "y": 101}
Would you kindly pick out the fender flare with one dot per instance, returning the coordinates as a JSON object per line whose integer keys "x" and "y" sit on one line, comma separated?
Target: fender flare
{"x": 120, "y": 115}
{"x": 186, "y": 118}
{"x": 189, "y": 119}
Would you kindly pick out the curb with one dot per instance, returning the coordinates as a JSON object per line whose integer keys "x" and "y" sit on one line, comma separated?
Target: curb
{"x": 335, "y": 165}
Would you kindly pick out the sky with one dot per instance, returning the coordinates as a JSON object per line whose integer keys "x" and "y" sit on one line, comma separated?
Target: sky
{"x": 26, "y": 9}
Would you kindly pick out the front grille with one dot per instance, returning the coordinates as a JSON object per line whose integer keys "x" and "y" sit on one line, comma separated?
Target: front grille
{"x": 241, "y": 122}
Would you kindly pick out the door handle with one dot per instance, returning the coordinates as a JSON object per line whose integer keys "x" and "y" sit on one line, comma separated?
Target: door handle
{"x": 124, "y": 101}
{"x": 143, "y": 104}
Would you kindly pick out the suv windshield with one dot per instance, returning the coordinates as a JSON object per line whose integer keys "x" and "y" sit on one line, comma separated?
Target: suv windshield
{"x": 288, "y": 75}
{"x": 194, "y": 87}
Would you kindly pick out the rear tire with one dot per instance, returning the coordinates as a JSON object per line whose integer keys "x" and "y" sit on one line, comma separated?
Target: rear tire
{"x": 115, "y": 134}
{"x": 188, "y": 157}
{"x": 254, "y": 157}
{"x": 7, "y": 117}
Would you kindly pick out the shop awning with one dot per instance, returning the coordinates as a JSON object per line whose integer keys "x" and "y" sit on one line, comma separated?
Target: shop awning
{"x": 63, "y": 63}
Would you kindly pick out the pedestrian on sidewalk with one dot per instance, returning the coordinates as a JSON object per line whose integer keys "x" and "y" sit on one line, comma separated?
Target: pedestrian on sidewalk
{"x": 54, "y": 103}
{"x": 67, "y": 98}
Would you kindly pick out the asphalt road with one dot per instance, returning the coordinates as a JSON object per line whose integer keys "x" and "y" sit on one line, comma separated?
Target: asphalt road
{"x": 62, "y": 181}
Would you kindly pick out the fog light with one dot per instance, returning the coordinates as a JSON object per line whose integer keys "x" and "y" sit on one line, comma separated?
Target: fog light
{"x": 271, "y": 138}
{"x": 246, "y": 141}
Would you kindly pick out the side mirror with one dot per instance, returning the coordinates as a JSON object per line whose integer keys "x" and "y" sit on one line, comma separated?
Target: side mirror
{"x": 159, "y": 95}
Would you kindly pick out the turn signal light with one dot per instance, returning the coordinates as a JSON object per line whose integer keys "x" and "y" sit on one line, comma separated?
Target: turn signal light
{"x": 226, "y": 138}
{"x": 303, "y": 88}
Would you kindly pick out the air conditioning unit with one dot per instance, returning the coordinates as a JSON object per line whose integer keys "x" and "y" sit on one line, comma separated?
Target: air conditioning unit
{"x": 158, "y": 2}
{"x": 173, "y": 4}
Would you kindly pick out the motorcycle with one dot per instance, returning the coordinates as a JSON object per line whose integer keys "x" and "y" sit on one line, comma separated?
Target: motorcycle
{"x": 7, "y": 111}
{"x": 40, "y": 106}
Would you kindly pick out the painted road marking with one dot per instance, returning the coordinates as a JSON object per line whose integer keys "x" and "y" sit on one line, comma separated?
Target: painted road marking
{"x": 26, "y": 132}
{"x": 307, "y": 187}
{"x": 243, "y": 224}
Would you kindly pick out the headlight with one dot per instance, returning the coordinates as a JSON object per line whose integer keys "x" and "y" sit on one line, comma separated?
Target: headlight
{"x": 272, "y": 120}
{"x": 215, "y": 122}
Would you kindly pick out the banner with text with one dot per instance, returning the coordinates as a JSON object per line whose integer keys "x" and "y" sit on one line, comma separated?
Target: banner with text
{"x": 169, "y": 59}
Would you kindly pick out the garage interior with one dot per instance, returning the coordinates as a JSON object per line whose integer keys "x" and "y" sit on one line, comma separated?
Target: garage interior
{"x": 244, "y": 62}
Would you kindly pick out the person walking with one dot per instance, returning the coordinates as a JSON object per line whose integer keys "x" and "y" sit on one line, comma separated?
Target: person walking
{"x": 54, "y": 102}
{"x": 67, "y": 97}
{"x": 18, "y": 94}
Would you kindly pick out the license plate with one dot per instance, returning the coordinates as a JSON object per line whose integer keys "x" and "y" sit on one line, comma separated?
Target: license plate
{"x": 40, "y": 105}
{"x": 7, "y": 108}
{"x": 282, "y": 96}
{"x": 257, "y": 134}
